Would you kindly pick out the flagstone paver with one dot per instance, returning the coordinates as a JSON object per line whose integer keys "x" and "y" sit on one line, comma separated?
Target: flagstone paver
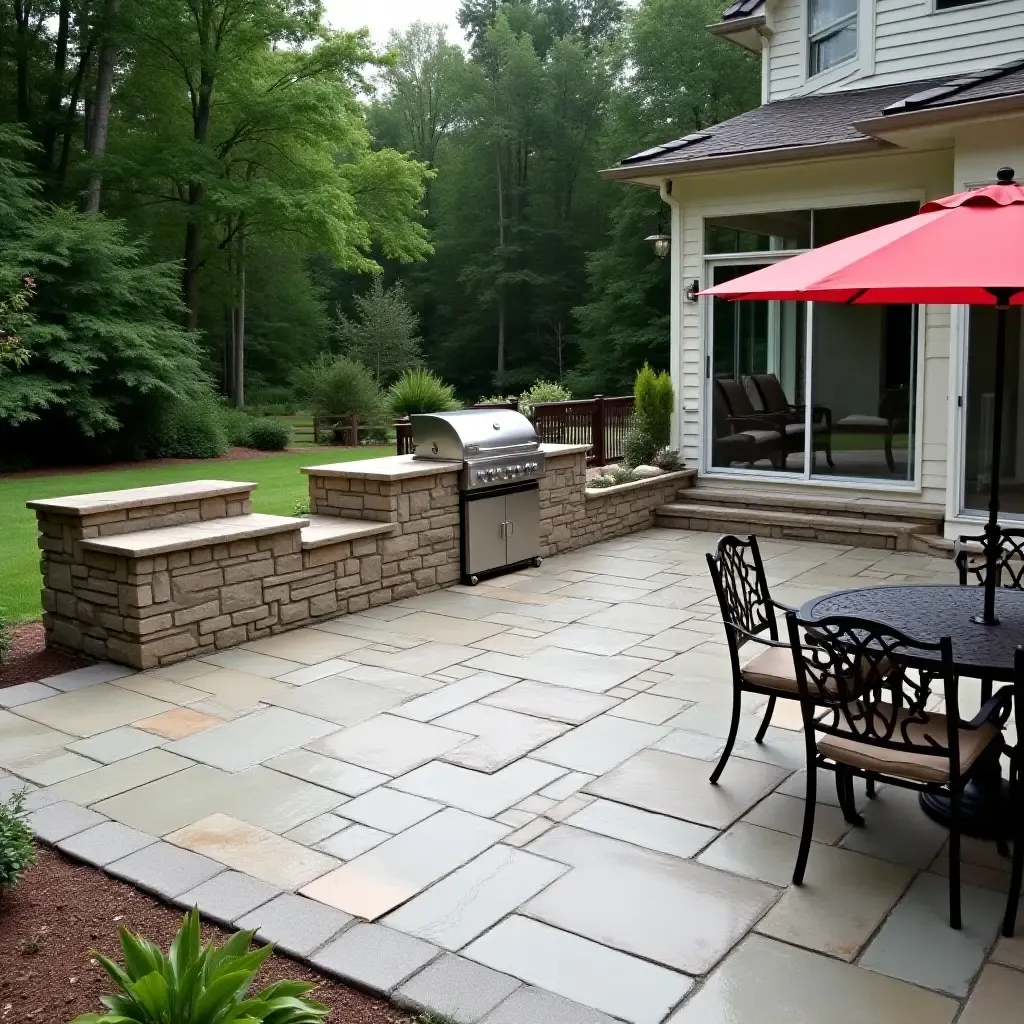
{"x": 512, "y": 780}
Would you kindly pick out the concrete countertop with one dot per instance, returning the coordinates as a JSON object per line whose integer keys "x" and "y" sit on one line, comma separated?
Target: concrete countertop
{"x": 141, "y": 497}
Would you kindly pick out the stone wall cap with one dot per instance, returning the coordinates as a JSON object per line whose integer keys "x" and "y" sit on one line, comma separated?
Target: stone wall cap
{"x": 392, "y": 467}
{"x": 161, "y": 541}
{"x": 140, "y": 497}
{"x": 554, "y": 450}
{"x": 325, "y": 530}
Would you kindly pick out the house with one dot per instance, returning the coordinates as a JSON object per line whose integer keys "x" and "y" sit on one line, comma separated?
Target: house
{"x": 869, "y": 108}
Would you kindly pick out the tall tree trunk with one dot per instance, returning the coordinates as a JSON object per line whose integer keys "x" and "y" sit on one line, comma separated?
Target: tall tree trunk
{"x": 22, "y": 17}
{"x": 55, "y": 94}
{"x": 96, "y": 141}
{"x": 240, "y": 323}
{"x": 71, "y": 112}
{"x": 501, "y": 287}
{"x": 196, "y": 194}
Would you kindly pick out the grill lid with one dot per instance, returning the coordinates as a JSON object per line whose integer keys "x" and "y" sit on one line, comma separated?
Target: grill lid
{"x": 472, "y": 434}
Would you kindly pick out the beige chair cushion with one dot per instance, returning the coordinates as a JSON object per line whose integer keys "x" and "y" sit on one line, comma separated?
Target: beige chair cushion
{"x": 909, "y": 764}
{"x": 772, "y": 668}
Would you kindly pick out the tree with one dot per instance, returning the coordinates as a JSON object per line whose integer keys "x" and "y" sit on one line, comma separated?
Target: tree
{"x": 681, "y": 79}
{"x": 384, "y": 336}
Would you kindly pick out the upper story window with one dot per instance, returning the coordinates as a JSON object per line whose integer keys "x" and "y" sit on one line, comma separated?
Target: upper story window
{"x": 831, "y": 33}
{"x": 944, "y": 5}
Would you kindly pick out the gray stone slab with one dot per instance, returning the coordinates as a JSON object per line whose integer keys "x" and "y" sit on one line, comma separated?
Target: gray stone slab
{"x": 11, "y": 784}
{"x": 165, "y": 870}
{"x": 57, "y": 821}
{"x": 228, "y": 896}
{"x": 104, "y": 843}
{"x": 103, "y": 672}
{"x": 24, "y": 693}
{"x": 375, "y": 957}
{"x": 917, "y": 945}
{"x": 528, "y": 1005}
{"x": 456, "y": 988}
{"x": 294, "y": 924}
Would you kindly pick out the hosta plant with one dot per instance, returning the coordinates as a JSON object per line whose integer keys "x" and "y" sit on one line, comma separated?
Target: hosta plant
{"x": 197, "y": 984}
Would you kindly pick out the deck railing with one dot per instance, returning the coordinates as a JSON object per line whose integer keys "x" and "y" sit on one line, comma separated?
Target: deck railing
{"x": 601, "y": 422}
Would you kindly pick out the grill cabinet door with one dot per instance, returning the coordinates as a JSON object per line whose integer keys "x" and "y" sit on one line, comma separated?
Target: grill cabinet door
{"x": 522, "y": 513}
{"x": 485, "y": 533}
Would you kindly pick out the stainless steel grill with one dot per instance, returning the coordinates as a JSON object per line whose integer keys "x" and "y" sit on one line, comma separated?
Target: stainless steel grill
{"x": 502, "y": 465}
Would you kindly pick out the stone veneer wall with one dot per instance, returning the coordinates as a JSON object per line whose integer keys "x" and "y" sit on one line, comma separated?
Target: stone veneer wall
{"x": 394, "y": 537}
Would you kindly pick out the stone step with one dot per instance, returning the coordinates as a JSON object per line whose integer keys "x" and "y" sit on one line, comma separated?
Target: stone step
{"x": 851, "y": 507}
{"x": 324, "y": 530}
{"x": 165, "y": 539}
{"x": 108, "y": 513}
{"x": 772, "y": 522}
{"x": 933, "y": 544}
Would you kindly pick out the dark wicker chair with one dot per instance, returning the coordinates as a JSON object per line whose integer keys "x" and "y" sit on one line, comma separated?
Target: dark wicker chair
{"x": 773, "y": 397}
{"x": 876, "y": 722}
{"x": 742, "y": 434}
{"x": 748, "y": 611}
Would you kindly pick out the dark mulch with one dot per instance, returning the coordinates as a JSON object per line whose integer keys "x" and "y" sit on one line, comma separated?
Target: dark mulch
{"x": 30, "y": 659}
{"x": 62, "y": 910}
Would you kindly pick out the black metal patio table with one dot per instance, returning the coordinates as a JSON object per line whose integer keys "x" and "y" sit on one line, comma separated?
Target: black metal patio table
{"x": 986, "y": 652}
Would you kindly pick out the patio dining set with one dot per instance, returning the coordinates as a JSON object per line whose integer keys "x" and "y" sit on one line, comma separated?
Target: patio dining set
{"x": 877, "y": 673}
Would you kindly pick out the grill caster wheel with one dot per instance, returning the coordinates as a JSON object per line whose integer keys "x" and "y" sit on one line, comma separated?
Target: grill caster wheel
{"x": 537, "y": 562}
{"x": 474, "y": 580}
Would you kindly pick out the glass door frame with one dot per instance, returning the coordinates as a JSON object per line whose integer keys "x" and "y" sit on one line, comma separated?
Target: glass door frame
{"x": 705, "y": 467}
{"x": 755, "y": 260}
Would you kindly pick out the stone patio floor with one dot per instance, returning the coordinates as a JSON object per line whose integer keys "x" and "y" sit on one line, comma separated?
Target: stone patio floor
{"x": 493, "y": 803}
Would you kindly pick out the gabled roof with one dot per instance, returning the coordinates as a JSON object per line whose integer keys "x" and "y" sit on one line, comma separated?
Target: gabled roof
{"x": 805, "y": 125}
{"x": 742, "y": 9}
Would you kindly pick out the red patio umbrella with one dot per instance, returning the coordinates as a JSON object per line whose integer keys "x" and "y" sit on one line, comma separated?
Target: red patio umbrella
{"x": 965, "y": 249}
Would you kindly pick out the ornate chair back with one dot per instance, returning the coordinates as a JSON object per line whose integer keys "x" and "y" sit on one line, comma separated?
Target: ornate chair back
{"x": 738, "y": 574}
{"x": 973, "y": 566}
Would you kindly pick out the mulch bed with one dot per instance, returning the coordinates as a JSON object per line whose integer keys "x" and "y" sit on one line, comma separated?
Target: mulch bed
{"x": 30, "y": 659}
{"x": 62, "y": 910}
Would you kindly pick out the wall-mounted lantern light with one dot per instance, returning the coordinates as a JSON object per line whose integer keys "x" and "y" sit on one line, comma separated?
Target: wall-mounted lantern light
{"x": 691, "y": 291}
{"x": 660, "y": 242}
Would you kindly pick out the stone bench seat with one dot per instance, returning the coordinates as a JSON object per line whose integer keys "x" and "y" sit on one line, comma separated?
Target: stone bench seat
{"x": 165, "y": 539}
{"x": 142, "y": 497}
{"x": 324, "y": 530}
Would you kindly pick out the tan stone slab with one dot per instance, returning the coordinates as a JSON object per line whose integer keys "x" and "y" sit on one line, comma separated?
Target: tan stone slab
{"x": 392, "y": 467}
{"x": 164, "y": 689}
{"x": 767, "y": 982}
{"x": 178, "y": 723}
{"x": 253, "y": 850}
{"x": 52, "y": 766}
{"x": 139, "y": 497}
{"x": 121, "y": 776}
{"x": 444, "y": 628}
{"x": 844, "y": 898}
{"x": 148, "y": 543}
{"x": 998, "y": 998}
{"x": 239, "y": 689}
{"x": 20, "y": 737}
{"x": 93, "y": 709}
{"x": 786, "y": 814}
{"x": 306, "y": 646}
{"x": 325, "y": 530}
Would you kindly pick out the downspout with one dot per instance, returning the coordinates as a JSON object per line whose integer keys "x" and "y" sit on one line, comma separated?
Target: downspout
{"x": 675, "y": 309}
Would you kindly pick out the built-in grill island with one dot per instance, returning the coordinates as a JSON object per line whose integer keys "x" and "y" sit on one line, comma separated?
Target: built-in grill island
{"x": 499, "y": 485}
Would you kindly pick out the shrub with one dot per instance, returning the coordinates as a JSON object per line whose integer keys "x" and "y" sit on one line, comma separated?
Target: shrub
{"x": 6, "y": 636}
{"x": 193, "y": 430}
{"x": 269, "y": 435}
{"x": 17, "y": 851}
{"x": 196, "y": 984}
{"x": 654, "y": 397}
{"x": 276, "y": 396}
{"x": 667, "y": 460}
{"x": 542, "y": 391}
{"x": 302, "y": 507}
{"x": 237, "y": 425}
{"x": 640, "y": 446}
{"x": 496, "y": 400}
{"x": 421, "y": 391}
{"x": 338, "y": 386}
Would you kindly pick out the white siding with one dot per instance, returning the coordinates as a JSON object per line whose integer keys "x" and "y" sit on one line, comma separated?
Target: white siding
{"x": 898, "y": 176}
{"x": 786, "y": 70}
{"x": 913, "y": 41}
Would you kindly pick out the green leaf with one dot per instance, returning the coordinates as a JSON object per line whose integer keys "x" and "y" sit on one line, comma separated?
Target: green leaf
{"x": 114, "y": 970}
{"x": 220, "y": 995}
{"x": 141, "y": 957}
{"x": 151, "y": 992}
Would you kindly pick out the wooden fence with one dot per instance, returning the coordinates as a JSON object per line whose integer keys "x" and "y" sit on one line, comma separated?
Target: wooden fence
{"x": 601, "y": 422}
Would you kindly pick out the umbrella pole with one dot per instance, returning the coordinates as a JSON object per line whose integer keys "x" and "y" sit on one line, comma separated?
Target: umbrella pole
{"x": 993, "y": 535}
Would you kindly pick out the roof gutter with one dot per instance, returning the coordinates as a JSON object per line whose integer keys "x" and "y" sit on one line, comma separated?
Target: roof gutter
{"x": 727, "y": 28}
{"x": 754, "y": 158}
{"x": 944, "y": 114}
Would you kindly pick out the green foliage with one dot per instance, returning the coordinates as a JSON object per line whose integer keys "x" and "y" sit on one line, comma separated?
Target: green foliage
{"x": 17, "y": 851}
{"x": 497, "y": 400}
{"x": 667, "y": 460}
{"x": 654, "y": 399}
{"x": 197, "y": 984}
{"x": 302, "y": 507}
{"x": 338, "y": 386}
{"x": 236, "y": 425}
{"x": 542, "y": 391}
{"x": 384, "y": 336}
{"x": 640, "y": 446}
{"x": 6, "y": 636}
{"x": 421, "y": 391}
{"x": 271, "y": 400}
{"x": 269, "y": 435}
{"x": 193, "y": 429}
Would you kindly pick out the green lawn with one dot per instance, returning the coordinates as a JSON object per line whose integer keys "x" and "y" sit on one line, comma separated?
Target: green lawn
{"x": 280, "y": 486}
